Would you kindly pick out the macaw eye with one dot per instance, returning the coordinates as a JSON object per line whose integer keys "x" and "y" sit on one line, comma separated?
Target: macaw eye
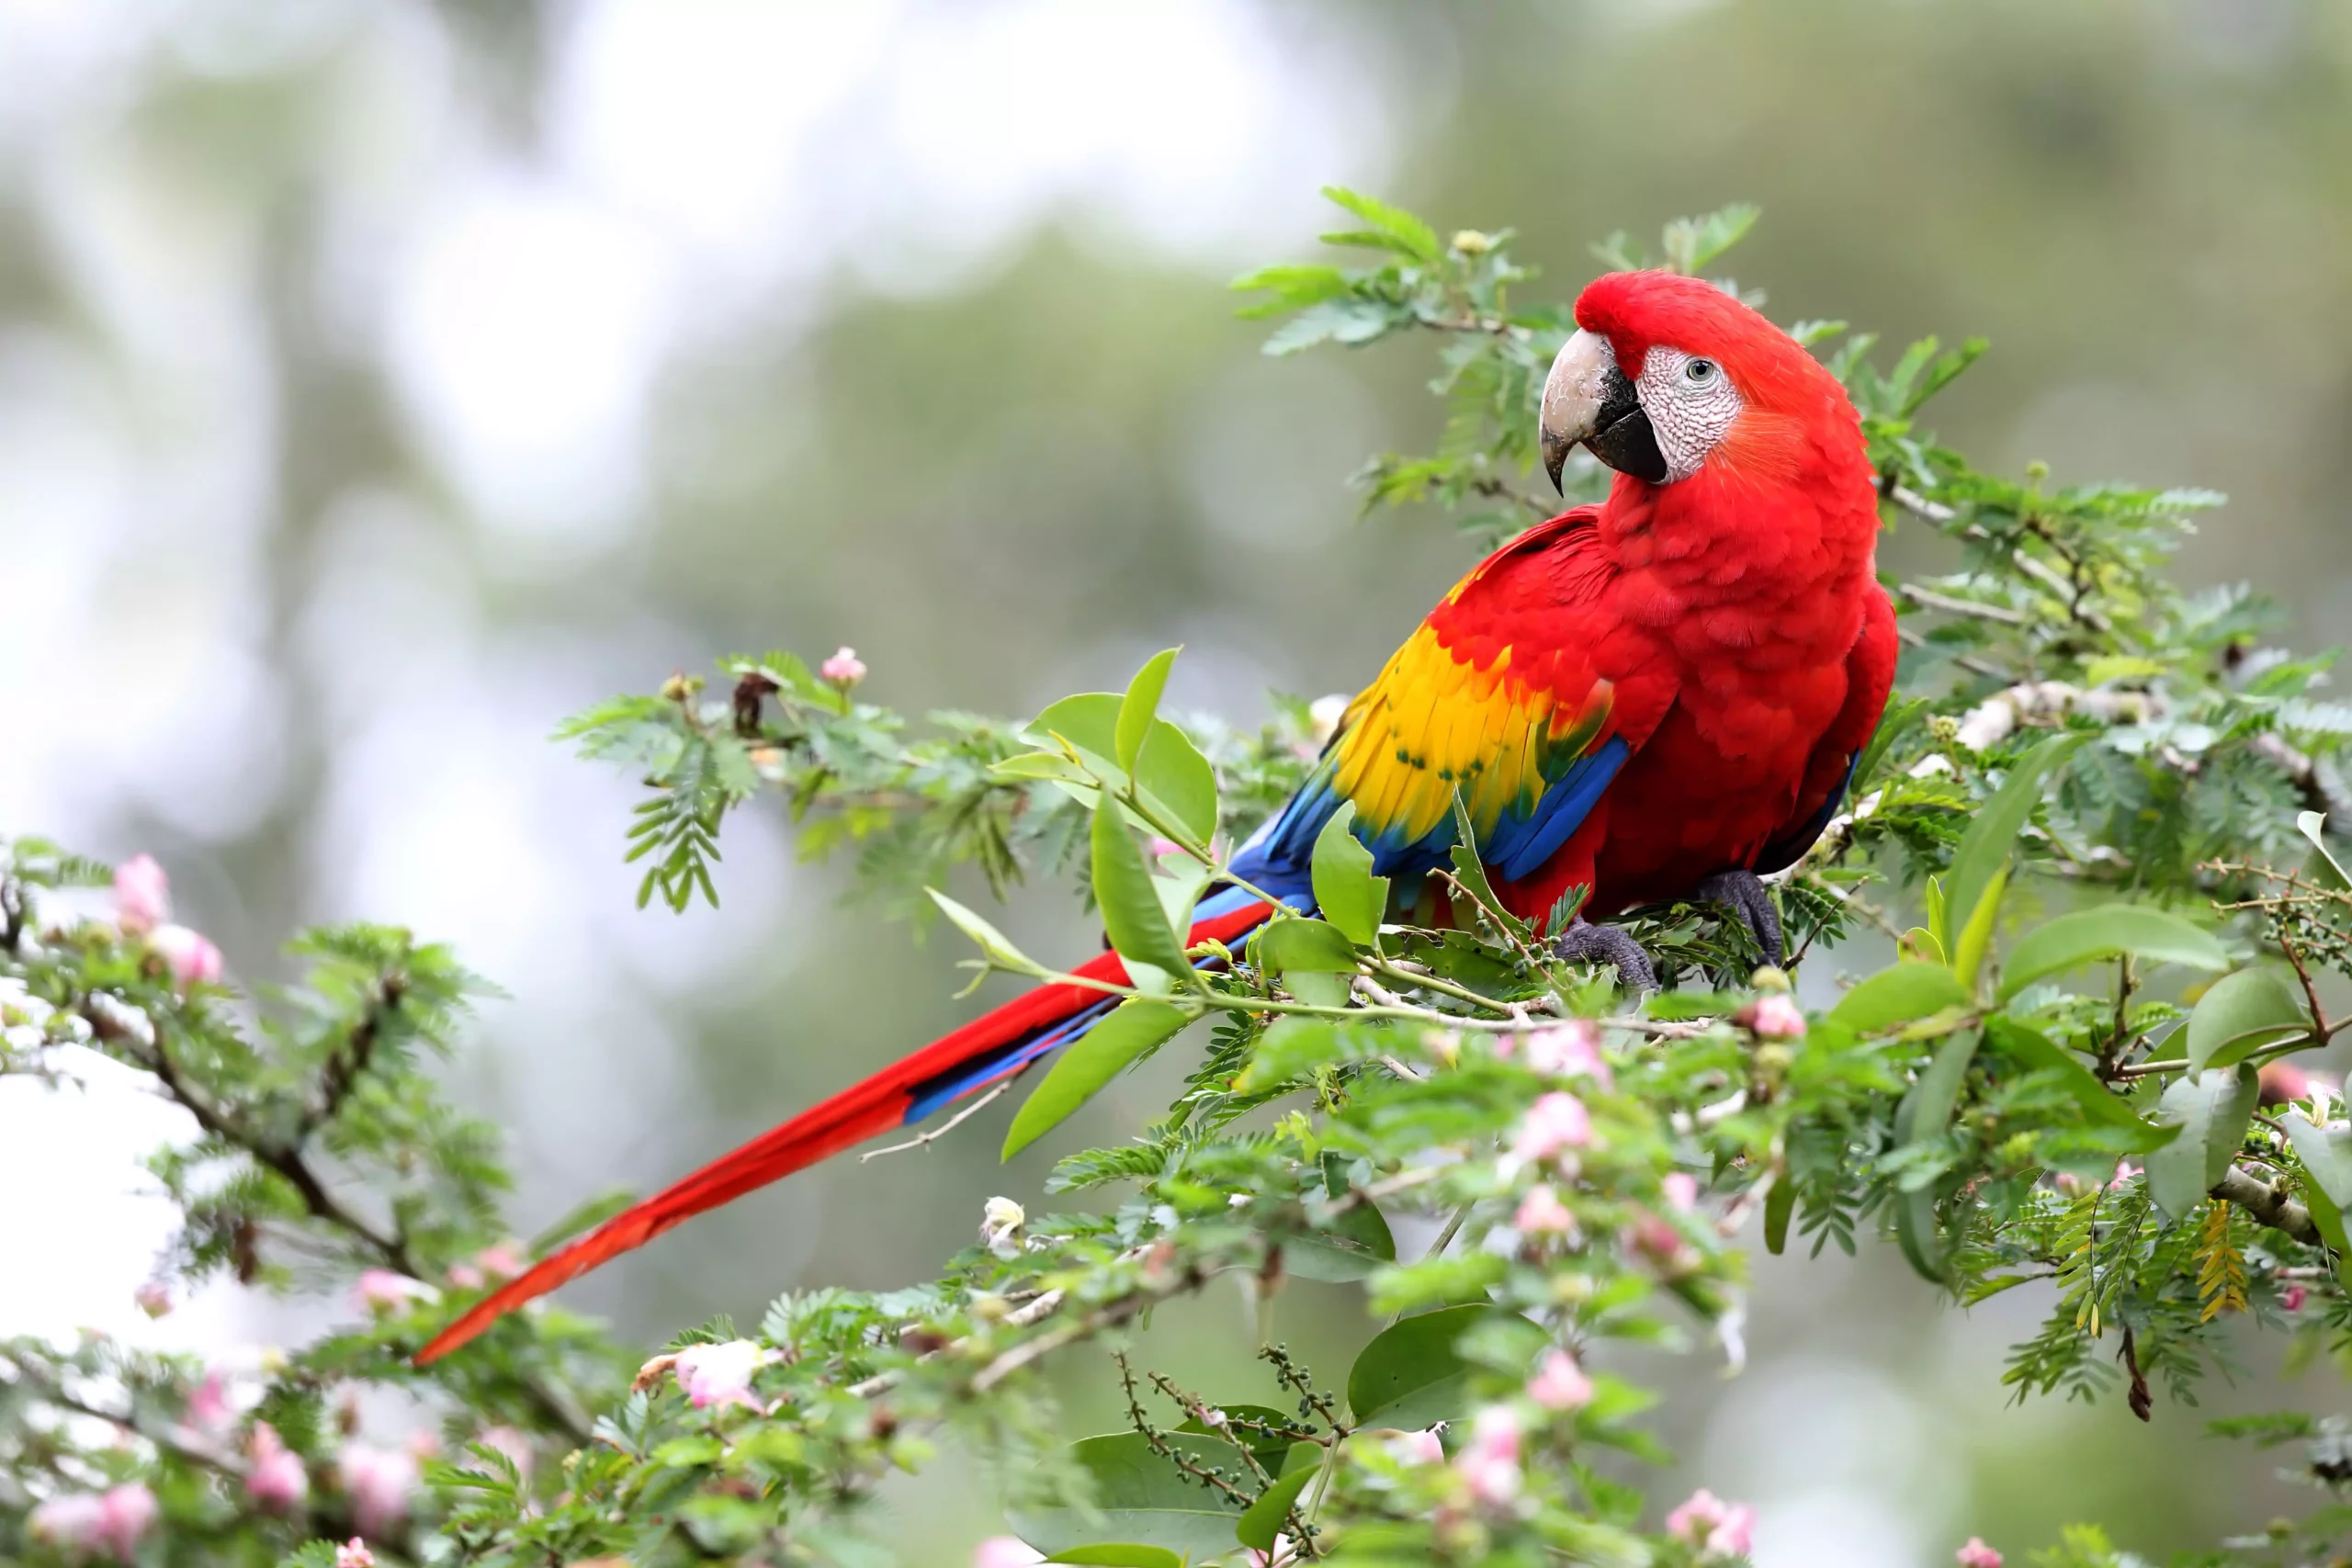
{"x": 1702, "y": 372}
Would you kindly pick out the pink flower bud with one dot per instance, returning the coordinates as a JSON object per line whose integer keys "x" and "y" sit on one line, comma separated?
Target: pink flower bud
{"x": 1572, "y": 1050}
{"x": 379, "y": 1482}
{"x": 379, "y": 1291}
{"x": 1541, "y": 1213}
{"x": 844, "y": 667}
{"x": 69, "y": 1523}
{"x": 1003, "y": 1551}
{"x": 720, "y": 1375}
{"x": 502, "y": 1260}
{"x": 2292, "y": 1299}
{"x": 1490, "y": 1462}
{"x": 125, "y": 1513}
{"x": 1417, "y": 1448}
{"x": 354, "y": 1553}
{"x": 1559, "y": 1384}
{"x": 1656, "y": 1237}
{"x": 277, "y": 1482}
{"x": 143, "y": 894}
{"x": 464, "y": 1277}
{"x": 1682, "y": 1192}
{"x": 154, "y": 1299}
{"x": 1976, "y": 1555}
{"x": 1774, "y": 1017}
{"x": 190, "y": 955}
{"x": 207, "y": 1407}
{"x": 1554, "y": 1123}
{"x": 1716, "y": 1527}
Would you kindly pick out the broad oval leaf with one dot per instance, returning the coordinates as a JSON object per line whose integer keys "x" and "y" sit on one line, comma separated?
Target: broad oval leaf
{"x": 2037, "y": 1052}
{"x": 986, "y": 937}
{"x": 1923, "y": 1114}
{"x": 2312, "y": 824}
{"x": 2108, "y": 931}
{"x": 1355, "y": 1244}
{"x": 1412, "y": 1375}
{"x": 1993, "y": 833}
{"x": 1897, "y": 995}
{"x": 1177, "y": 782}
{"x": 1129, "y": 904}
{"x": 2212, "y": 1110}
{"x": 1779, "y": 1204}
{"x": 2326, "y": 1156}
{"x": 1142, "y": 1500}
{"x": 1140, "y": 706}
{"x": 2245, "y": 1012}
{"x": 1266, "y": 1516}
{"x": 1312, "y": 947}
{"x": 1345, "y": 889}
{"x": 1120, "y": 1554}
{"x": 1134, "y": 1026}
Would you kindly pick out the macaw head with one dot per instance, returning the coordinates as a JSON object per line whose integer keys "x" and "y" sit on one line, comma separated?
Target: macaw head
{"x": 1667, "y": 377}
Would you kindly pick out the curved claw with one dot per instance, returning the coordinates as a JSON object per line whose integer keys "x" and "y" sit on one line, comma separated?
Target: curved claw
{"x": 1752, "y": 902}
{"x": 1584, "y": 942}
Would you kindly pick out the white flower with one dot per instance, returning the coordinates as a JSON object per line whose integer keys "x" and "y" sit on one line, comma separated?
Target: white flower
{"x": 1323, "y": 716}
{"x": 1000, "y": 1222}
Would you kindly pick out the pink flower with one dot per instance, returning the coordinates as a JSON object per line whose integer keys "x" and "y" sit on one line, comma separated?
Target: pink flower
{"x": 720, "y": 1375}
{"x": 1976, "y": 1555}
{"x": 69, "y": 1523}
{"x": 464, "y": 1277}
{"x": 1682, "y": 1192}
{"x": 2124, "y": 1171}
{"x": 502, "y": 1260}
{"x": 1554, "y": 1123}
{"x": 379, "y": 1482}
{"x": 1490, "y": 1462}
{"x": 1280, "y": 1553}
{"x": 1572, "y": 1050}
{"x": 513, "y": 1445}
{"x": 1417, "y": 1448}
{"x": 2291, "y": 1300}
{"x": 379, "y": 1291}
{"x": 190, "y": 955}
{"x": 1559, "y": 1384}
{"x": 276, "y": 1480}
{"x": 125, "y": 1513}
{"x": 1541, "y": 1213}
{"x": 844, "y": 667}
{"x": 354, "y": 1553}
{"x": 207, "y": 1407}
{"x": 2282, "y": 1082}
{"x": 154, "y": 1299}
{"x": 143, "y": 894}
{"x": 1716, "y": 1527}
{"x": 1003, "y": 1551}
{"x": 1775, "y": 1017}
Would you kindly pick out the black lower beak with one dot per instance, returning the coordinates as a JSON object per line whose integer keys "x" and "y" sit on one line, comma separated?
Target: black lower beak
{"x": 1621, "y": 436}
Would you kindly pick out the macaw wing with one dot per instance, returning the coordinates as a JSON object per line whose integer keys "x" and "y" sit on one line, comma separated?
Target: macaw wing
{"x": 1498, "y": 698}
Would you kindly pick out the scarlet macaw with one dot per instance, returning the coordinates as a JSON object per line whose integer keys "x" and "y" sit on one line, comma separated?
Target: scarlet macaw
{"x": 1657, "y": 697}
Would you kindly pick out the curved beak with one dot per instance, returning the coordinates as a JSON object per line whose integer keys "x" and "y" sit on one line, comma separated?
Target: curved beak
{"x": 1588, "y": 400}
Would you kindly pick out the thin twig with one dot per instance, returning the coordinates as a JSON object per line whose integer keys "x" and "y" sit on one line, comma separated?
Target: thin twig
{"x": 940, "y": 1132}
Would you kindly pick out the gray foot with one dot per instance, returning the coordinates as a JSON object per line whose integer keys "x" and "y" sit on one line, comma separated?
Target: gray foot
{"x": 1752, "y": 902}
{"x": 1584, "y": 942}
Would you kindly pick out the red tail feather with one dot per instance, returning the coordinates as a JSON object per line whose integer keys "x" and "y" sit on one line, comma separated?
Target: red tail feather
{"x": 850, "y": 1117}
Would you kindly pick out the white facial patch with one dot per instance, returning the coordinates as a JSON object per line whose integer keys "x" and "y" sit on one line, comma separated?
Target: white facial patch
{"x": 1690, "y": 402}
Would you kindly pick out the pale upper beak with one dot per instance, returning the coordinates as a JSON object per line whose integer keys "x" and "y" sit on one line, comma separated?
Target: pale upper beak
{"x": 1588, "y": 399}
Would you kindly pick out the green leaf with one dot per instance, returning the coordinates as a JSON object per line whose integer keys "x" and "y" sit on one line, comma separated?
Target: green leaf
{"x": 1141, "y": 706}
{"x": 1393, "y": 227}
{"x": 1923, "y": 1114}
{"x": 2036, "y": 1052}
{"x": 1176, "y": 783}
{"x": 2326, "y": 1156}
{"x": 2212, "y": 1110}
{"x": 1129, "y": 903}
{"x": 2108, "y": 931}
{"x": 1134, "y": 1026}
{"x": 1266, "y": 1516}
{"x": 991, "y": 942}
{"x": 1345, "y": 889}
{"x": 2311, "y": 824}
{"x": 1779, "y": 1205}
{"x": 1968, "y": 959}
{"x": 1142, "y": 1499}
{"x": 1180, "y": 886}
{"x": 1356, "y": 1243}
{"x": 1294, "y": 1047}
{"x": 1993, "y": 833}
{"x": 1898, "y": 995}
{"x": 1122, "y": 1555}
{"x": 1412, "y": 1376}
{"x": 1302, "y": 946}
{"x": 2245, "y": 1012}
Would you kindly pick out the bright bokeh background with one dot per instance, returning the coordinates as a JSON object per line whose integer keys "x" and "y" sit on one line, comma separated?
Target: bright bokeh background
{"x": 381, "y": 382}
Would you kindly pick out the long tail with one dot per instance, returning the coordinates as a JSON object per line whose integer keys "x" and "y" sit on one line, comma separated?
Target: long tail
{"x": 985, "y": 1051}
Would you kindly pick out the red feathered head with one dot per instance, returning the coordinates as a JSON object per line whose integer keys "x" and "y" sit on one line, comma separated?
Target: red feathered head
{"x": 1671, "y": 375}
